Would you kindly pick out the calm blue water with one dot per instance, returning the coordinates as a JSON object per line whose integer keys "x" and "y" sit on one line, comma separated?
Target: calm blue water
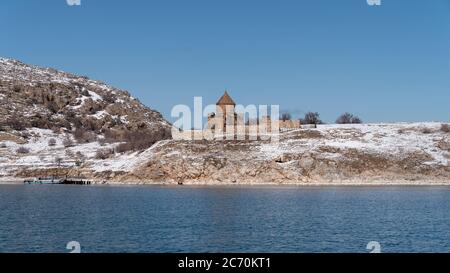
{"x": 36, "y": 218}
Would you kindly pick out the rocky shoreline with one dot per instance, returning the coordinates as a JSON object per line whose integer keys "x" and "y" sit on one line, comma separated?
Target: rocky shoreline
{"x": 359, "y": 183}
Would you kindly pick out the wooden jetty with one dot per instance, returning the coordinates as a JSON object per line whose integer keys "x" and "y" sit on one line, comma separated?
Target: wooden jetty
{"x": 56, "y": 180}
{"x": 75, "y": 181}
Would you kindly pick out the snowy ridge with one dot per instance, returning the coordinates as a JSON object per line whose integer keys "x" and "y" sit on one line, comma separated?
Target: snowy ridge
{"x": 399, "y": 139}
{"x": 13, "y": 70}
{"x": 32, "y": 90}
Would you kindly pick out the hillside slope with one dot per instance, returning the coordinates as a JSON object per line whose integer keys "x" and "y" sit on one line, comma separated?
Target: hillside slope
{"x": 45, "y": 98}
{"x": 49, "y": 118}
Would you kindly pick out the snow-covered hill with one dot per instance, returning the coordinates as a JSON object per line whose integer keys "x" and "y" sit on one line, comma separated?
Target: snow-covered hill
{"x": 38, "y": 104}
{"x": 31, "y": 96}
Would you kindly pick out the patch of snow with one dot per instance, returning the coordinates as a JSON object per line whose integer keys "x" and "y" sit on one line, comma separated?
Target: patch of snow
{"x": 124, "y": 119}
{"x": 100, "y": 114}
{"x": 95, "y": 96}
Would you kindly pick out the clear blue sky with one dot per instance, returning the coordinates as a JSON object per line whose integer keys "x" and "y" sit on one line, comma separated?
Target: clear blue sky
{"x": 386, "y": 63}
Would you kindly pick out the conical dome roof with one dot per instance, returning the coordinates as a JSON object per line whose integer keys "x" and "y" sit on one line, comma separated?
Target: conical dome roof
{"x": 226, "y": 100}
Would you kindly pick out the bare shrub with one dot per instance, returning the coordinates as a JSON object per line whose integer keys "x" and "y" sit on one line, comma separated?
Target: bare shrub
{"x": 23, "y": 150}
{"x": 112, "y": 136}
{"x": 15, "y": 124}
{"x": 52, "y": 107}
{"x": 104, "y": 154}
{"x": 82, "y": 135}
{"x": 348, "y": 118}
{"x": 51, "y": 142}
{"x": 102, "y": 142}
{"x": 311, "y": 118}
{"x": 75, "y": 121}
{"x": 67, "y": 142}
{"x": 79, "y": 159}
{"x": 445, "y": 128}
{"x": 356, "y": 120}
{"x": 17, "y": 88}
{"x": 85, "y": 93}
{"x": 116, "y": 122}
{"x": 69, "y": 153}
{"x": 90, "y": 137}
{"x": 94, "y": 109}
{"x": 78, "y": 134}
{"x": 90, "y": 124}
{"x": 62, "y": 123}
{"x": 39, "y": 121}
{"x": 286, "y": 116}
{"x": 58, "y": 161}
{"x": 109, "y": 97}
{"x": 426, "y": 130}
{"x": 25, "y": 135}
{"x": 79, "y": 155}
{"x": 55, "y": 130}
{"x": 124, "y": 147}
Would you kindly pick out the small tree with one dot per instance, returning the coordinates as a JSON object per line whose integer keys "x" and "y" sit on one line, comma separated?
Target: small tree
{"x": 67, "y": 142}
{"x": 312, "y": 118}
{"x": 69, "y": 153}
{"x": 348, "y": 118}
{"x": 83, "y": 136}
{"x": 79, "y": 162}
{"x": 23, "y": 150}
{"x": 80, "y": 158}
{"x": 52, "y": 107}
{"x": 58, "y": 161}
{"x": 286, "y": 116}
{"x": 356, "y": 120}
{"x": 15, "y": 124}
{"x": 52, "y": 142}
{"x": 17, "y": 88}
{"x": 103, "y": 154}
{"x": 79, "y": 155}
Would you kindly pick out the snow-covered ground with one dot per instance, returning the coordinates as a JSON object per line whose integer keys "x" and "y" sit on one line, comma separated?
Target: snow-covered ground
{"x": 384, "y": 139}
{"x": 40, "y": 154}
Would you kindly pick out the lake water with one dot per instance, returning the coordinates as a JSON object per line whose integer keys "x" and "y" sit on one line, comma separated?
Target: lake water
{"x": 37, "y": 218}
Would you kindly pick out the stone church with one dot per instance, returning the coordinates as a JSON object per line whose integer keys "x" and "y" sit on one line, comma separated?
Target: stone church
{"x": 225, "y": 115}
